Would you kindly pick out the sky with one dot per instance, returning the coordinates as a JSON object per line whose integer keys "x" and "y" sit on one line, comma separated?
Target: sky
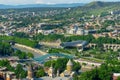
{"x": 20, "y": 2}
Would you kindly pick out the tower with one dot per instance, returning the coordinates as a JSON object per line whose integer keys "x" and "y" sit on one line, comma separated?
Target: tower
{"x": 3, "y": 76}
{"x": 30, "y": 72}
{"x": 51, "y": 71}
{"x": 69, "y": 66}
{"x": 8, "y": 77}
{"x": 58, "y": 73}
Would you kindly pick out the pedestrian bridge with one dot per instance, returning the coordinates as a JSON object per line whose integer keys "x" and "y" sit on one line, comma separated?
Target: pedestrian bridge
{"x": 43, "y": 58}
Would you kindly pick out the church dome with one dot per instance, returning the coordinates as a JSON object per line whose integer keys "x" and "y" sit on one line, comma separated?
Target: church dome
{"x": 69, "y": 63}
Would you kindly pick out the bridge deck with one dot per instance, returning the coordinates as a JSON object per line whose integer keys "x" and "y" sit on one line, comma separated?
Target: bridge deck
{"x": 42, "y": 58}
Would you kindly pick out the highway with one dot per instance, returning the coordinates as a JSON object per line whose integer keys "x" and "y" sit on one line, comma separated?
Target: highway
{"x": 35, "y": 52}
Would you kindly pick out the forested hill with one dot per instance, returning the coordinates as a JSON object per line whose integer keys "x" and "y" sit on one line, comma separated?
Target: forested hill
{"x": 94, "y": 8}
{"x": 63, "y": 14}
{"x": 99, "y": 4}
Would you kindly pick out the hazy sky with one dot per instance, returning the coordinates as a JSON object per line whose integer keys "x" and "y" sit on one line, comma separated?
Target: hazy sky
{"x": 19, "y": 2}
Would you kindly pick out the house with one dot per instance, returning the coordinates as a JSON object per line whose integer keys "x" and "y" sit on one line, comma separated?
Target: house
{"x": 46, "y": 32}
{"x": 115, "y": 12}
{"x": 74, "y": 29}
{"x": 80, "y": 32}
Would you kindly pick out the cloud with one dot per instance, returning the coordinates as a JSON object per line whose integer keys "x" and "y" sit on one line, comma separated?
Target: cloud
{"x": 39, "y": 1}
{"x": 44, "y": 2}
{"x": 14, "y": 2}
{"x": 57, "y": 1}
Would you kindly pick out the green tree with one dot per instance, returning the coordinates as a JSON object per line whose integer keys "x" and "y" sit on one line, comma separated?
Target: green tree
{"x": 21, "y": 34}
{"x": 20, "y": 73}
{"x": 60, "y": 64}
{"x": 40, "y": 72}
{"x": 30, "y": 55}
{"x": 118, "y": 78}
{"x": 20, "y": 54}
{"x": 5, "y": 49}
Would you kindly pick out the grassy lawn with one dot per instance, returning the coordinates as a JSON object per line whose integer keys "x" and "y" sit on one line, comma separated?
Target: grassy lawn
{"x": 93, "y": 59}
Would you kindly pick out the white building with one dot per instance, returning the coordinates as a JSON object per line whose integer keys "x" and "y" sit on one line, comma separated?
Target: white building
{"x": 80, "y": 32}
{"x": 74, "y": 29}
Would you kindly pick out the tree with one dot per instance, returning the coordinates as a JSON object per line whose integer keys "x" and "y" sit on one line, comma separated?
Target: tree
{"x": 21, "y": 34}
{"x": 5, "y": 49}
{"x": 40, "y": 72}
{"x": 76, "y": 66}
{"x": 104, "y": 72}
{"x": 24, "y": 41}
{"x": 60, "y": 64}
{"x": 30, "y": 55}
{"x": 108, "y": 23}
{"x": 20, "y": 54}
{"x": 118, "y": 78}
{"x": 84, "y": 64}
{"x": 20, "y": 73}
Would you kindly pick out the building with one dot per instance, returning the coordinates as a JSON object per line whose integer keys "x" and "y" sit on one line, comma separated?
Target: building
{"x": 69, "y": 70}
{"x": 74, "y": 29}
{"x": 51, "y": 72}
{"x": 86, "y": 32}
{"x": 6, "y": 75}
{"x": 115, "y": 12}
{"x": 80, "y": 32}
{"x": 66, "y": 75}
{"x": 115, "y": 76}
{"x": 30, "y": 73}
{"x": 56, "y": 78}
{"x": 80, "y": 45}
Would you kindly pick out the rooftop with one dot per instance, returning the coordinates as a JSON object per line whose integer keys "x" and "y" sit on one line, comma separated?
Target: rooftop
{"x": 69, "y": 63}
{"x": 50, "y": 78}
{"x": 116, "y": 74}
{"x": 74, "y": 43}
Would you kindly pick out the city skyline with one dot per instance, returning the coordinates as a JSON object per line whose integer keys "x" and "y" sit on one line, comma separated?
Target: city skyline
{"x": 22, "y": 2}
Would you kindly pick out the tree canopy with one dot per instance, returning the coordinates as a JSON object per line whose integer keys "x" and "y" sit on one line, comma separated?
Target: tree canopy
{"x": 60, "y": 64}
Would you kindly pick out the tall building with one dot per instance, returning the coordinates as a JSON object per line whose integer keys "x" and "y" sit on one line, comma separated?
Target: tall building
{"x": 2, "y": 75}
{"x": 69, "y": 66}
{"x": 5, "y": 74}
{"x": 69, "y": 70}
{"x": 58, "y": 73}
{"x": 51, "y": 71}
{"x": 30, "y": 72}
{"x": 8, "y": 77}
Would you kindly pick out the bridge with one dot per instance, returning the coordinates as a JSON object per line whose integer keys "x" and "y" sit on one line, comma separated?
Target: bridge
{"x": 47, "y": 56}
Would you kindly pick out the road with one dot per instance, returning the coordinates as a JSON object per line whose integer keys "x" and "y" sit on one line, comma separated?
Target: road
{"x": 35, "y": 52}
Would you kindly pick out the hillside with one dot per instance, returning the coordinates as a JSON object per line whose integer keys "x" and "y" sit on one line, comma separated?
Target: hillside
{"x": 99, "y": 4}
{"x": 64, "y": 15}
{"x": 96, "y": 8}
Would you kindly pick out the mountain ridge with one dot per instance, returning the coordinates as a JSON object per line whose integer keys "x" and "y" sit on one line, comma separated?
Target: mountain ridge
{"x": 99, "y": 4}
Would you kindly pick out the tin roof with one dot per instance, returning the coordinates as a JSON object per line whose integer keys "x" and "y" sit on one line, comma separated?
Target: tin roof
{"x": 74, "y": 43}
